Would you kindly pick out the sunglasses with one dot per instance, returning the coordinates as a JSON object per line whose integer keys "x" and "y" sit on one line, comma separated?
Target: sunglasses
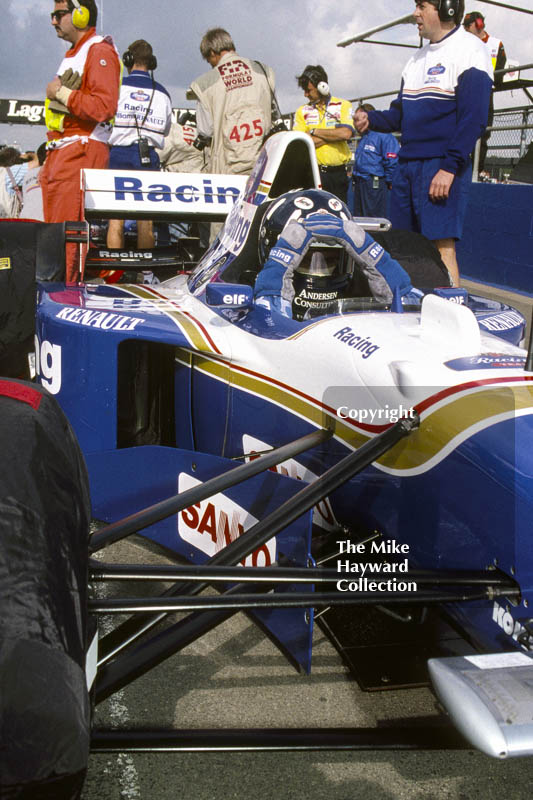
{"x": 58, "y": 15}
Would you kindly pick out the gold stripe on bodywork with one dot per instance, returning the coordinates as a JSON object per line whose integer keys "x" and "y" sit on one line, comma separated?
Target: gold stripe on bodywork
{"x": 477, "y": 410}
{"x": 197, "y": 339}
{"x": 451, "y": 420}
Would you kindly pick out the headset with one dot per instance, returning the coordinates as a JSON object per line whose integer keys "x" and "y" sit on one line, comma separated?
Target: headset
{"x": 448, "y": 10}
{"x": 128, "y": 60}
{"x": 315, "y": 77}
{"x": 80, "y": 15}
{"x": 479, "y": 21}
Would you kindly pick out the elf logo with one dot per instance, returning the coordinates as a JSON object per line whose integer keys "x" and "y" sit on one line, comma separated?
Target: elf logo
{"x": 214, "y": 523}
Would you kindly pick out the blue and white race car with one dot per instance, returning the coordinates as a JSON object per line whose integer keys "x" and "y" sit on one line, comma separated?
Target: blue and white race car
{"x": 393, "y": 415}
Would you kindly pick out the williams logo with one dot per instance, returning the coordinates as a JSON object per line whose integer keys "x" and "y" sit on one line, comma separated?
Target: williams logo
{"x": 438, "y": 70}
{"x": 139, "y": 96}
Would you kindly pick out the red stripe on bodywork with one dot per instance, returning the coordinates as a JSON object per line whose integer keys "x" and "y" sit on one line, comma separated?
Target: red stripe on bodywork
{"x": 177, "y": 306}
{"x": 424, "y": 405}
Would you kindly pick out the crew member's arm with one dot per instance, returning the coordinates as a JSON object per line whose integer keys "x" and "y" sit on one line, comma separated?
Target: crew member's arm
{"x": 321, "y": 136}
{"x": 204, "y": 121}
{"x": 390, "y": 156}
{"x": 473, "y": 97}
{"x": 275, "y": 111}
{"x": 343, "y": 130}
{"x": 168, "y": 113}
{"x": 360, "y": 120}
{"x": 97, "y": 98}
{"x": 300, "y": 123}
{"x": 384, "y": 121}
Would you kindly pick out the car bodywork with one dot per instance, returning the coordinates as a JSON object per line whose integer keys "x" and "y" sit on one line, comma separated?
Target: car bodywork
{"x": 169, "y": 386}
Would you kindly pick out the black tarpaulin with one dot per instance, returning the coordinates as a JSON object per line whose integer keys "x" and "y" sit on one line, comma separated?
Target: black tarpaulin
{"x": 44, "y": 522}
{"x": 27, "y": 250}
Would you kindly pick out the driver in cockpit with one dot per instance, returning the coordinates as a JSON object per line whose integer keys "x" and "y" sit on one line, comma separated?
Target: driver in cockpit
{"x": 312, "y": 252}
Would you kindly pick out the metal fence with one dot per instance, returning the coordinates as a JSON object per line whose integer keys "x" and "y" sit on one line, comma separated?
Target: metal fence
{"x": 512, "y": 133}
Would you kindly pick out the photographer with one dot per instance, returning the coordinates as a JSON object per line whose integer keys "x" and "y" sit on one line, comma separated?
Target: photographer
{"x": 142, "y": 121}
{"x": 235, "y": 100}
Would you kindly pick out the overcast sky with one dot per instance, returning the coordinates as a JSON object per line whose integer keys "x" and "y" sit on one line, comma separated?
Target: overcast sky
{"x": 285, "y": 35}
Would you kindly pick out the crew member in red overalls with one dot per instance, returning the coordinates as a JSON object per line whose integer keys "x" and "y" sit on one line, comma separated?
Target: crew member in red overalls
{"x": 81, "y": 102}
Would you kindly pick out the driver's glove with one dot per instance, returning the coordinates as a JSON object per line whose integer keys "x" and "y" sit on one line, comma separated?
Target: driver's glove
{"x": 384, "y": 274}
{"x": 275, "y": 279}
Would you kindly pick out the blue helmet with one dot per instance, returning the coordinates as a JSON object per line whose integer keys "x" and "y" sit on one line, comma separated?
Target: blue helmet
{"x": 296, "y": 205}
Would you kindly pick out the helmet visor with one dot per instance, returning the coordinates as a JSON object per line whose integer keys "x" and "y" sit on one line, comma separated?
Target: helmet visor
{"x": 325, "y": 260}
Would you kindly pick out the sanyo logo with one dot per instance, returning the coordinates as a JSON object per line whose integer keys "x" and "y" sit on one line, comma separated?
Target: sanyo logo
{"x": 48, "y": 365}
{"x": 506, "y": 621}
{"x": 134, "y": 188}
{"x": 212, "y": 524}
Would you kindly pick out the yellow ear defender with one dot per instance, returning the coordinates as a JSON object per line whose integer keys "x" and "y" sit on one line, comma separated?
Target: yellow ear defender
{"x": 80, "y": 15}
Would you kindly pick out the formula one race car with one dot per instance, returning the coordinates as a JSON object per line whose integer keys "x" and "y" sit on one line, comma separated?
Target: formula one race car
{"x": 383, "y": 433}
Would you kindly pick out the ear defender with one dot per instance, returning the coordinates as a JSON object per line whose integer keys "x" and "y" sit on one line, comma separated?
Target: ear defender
{"x": 127, "y": 59}
{"x": 315, "y": 77}
{"x": 80, "y": 15}
{"x": 448, "y": 10}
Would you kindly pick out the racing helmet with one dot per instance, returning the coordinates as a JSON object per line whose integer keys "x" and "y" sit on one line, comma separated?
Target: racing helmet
{"x": 325, "y": 271}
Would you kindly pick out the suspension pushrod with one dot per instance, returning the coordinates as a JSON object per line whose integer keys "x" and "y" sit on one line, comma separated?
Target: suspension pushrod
{"x": 121, "y": 672}
{"x": 191, "y": 572}
{"x": 313, "y": 493}
{"x": 178, "y": 502}
{"x": 256, "y": 536}
{"x": 246, "y": 602}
